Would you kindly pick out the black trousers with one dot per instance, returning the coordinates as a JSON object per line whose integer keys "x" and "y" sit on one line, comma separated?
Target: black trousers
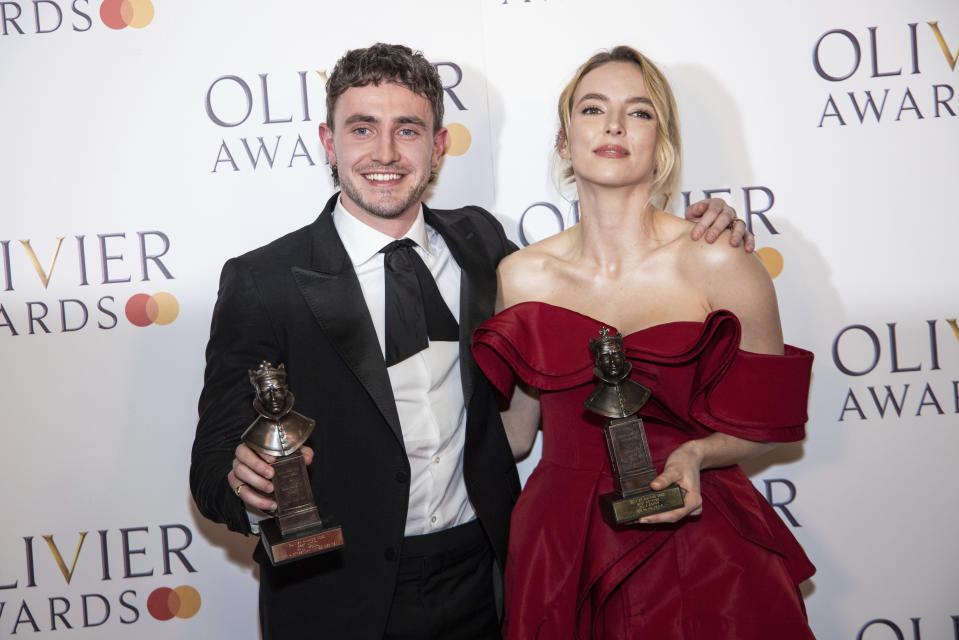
{"x": 444, "y": 588}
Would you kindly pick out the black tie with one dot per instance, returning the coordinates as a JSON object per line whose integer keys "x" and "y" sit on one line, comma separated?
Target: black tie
{"x": 415, "y": 310}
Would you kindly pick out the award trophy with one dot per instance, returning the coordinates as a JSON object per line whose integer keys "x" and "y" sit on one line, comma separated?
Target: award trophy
{"x": 296, "y": 531}
{"x": 619, "y": 398}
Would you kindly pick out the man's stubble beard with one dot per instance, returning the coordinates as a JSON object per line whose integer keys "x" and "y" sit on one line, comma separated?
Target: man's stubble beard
{"x": 382, "y": 210}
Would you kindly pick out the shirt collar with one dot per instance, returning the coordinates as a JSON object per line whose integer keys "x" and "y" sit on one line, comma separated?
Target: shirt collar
{"x": 362, "y": 242}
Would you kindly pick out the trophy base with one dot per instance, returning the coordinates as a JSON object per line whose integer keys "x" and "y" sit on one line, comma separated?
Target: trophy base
{"x": 309, "y": 541}
{"x": 619, "y": 509}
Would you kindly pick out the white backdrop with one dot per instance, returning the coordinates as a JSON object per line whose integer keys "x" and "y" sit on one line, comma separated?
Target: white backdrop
{"x": 834, "y": 124}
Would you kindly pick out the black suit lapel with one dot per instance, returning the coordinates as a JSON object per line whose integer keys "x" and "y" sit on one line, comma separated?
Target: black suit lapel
{"x": 332, "y": 291}
{"x": 477, "y": 285}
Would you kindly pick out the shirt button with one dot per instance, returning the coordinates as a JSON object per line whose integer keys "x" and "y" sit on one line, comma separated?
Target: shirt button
{"x": 402, "y": 477}
{"x": 436, "y": 460}
{"x": 390, "y": 554}
{"x": 433, "y": 520}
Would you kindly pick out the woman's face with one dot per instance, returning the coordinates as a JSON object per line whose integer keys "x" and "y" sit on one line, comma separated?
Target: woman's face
{"x": 612, "y": 130}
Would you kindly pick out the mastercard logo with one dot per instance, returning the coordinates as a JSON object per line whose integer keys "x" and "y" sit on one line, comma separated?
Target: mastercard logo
{"x": 161, "y": 308}
{"x": 120, "y": 14}
{"x": 165, "y": 603}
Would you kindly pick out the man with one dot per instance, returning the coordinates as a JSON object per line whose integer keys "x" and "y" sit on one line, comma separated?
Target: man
{"x": 409, "y": 450}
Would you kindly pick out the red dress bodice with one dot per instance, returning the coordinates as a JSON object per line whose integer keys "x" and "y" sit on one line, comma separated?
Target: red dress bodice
{"x": 728, "y": 573}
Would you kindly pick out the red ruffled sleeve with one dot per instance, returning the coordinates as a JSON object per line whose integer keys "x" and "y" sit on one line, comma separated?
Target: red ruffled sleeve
{"x": 547, "y": 350}
{"x": 748, "y": 395}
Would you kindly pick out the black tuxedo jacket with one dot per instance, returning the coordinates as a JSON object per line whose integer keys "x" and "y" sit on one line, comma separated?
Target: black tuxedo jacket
{"x": 298, "y": 301}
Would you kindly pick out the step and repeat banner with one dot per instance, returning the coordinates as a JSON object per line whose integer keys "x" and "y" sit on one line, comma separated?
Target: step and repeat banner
{"x": 144, "y": 142}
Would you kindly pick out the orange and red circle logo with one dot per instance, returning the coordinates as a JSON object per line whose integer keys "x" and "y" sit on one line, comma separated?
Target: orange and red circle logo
{"x": 119, "y": 14}
{"x": 160, "y": 308}
{"x": 182, "y": 602}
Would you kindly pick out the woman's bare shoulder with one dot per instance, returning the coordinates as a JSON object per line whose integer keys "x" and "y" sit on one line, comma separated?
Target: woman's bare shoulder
{"x": 702, "y": 259}
{"x": 530, "y": 273}
{"x": 731, "y": 279}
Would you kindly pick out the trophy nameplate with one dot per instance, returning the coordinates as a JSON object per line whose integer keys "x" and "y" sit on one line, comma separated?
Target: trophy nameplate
{"x": 619, "y": 398}
{"x": 633, "y": 470}
{"x": 296, "y": 530}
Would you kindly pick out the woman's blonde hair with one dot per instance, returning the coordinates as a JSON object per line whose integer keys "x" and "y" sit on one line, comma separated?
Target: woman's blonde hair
{"x": 666, "y": 157}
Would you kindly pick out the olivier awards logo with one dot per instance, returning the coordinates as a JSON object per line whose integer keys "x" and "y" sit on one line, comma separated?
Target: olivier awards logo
{"x": 230, "y": 102}
{"x": 107, "y": 583}
{"x": 36, "y": 17}
{"x": 82, "y": 286}
{"x": 271, "y": 111}
{"x": 780, "y": 493}
{"x": 914, "y": 383}
{"x": 880, "y": 629}
{"x": 872, "y": 73}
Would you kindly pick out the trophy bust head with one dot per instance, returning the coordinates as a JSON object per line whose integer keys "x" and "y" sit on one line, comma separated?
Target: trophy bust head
{"x": 273, "y": 398}
{"x": 615, "y": 396}
{"x": 607, "y": 350}
{"x": 278, "y": 431}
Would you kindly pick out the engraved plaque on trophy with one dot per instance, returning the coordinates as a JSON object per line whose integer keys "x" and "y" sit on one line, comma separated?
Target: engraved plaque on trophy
{"x": 619, "y": 398}
{"x": 296, "y": 530}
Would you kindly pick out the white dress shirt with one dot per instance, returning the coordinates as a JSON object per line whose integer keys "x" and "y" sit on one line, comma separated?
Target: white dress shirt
{"x": 427, "y": 386}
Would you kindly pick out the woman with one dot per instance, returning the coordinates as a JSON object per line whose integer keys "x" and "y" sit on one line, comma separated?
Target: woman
{"x": 701, "y": 330}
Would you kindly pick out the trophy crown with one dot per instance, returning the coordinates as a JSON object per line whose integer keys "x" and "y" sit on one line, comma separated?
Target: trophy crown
{"x": 606, "y": 342}
{"x": 266, "y": 375}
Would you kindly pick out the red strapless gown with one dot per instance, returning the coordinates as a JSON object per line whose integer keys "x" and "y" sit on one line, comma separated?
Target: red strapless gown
{"x": 730, "y": 573}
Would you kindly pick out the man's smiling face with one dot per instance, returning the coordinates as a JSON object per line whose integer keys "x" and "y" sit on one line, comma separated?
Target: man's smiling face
{"x": 384, "y": 148}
